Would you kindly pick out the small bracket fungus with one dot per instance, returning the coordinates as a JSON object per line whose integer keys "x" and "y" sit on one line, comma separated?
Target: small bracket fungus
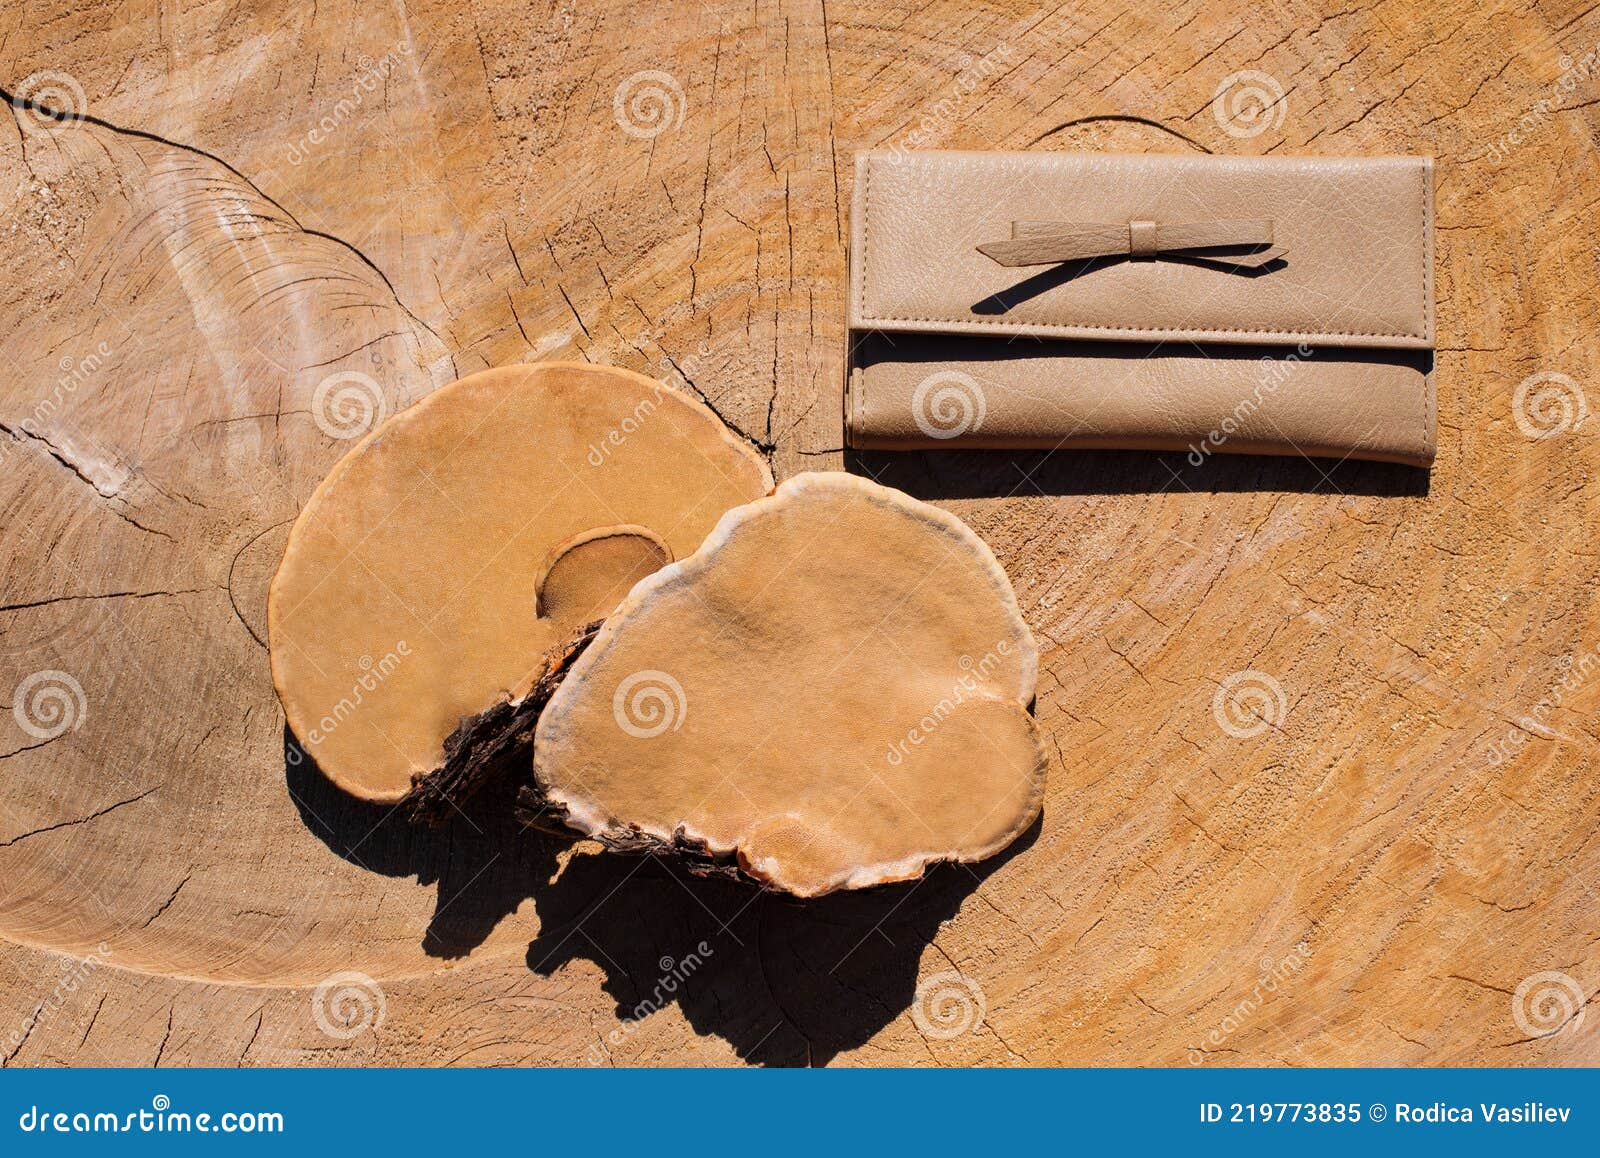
{"x": 831, "y": 693}
{"x": 440, "y": 577}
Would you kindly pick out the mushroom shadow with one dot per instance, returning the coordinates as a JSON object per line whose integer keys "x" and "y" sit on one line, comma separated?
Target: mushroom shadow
{"x": 785, "y": 982}
{"x": 484, "y": 862}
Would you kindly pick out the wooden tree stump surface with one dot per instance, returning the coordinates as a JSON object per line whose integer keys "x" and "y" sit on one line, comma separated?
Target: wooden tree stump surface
{"x": 251, "y": 207}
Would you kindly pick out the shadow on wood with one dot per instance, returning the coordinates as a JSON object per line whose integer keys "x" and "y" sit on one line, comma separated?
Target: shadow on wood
{"x": 484, "y": 863}
{"x": 962, "y": 474}
{"x": 785, "y": 982}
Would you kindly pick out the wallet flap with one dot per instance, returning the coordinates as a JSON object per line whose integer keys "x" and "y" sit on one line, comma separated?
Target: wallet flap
{"x": 1330, "y": 251}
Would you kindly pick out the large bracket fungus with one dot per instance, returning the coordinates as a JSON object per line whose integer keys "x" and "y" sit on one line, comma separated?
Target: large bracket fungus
{"x": 831, "y": 693}
{"x": 438, "y": 580}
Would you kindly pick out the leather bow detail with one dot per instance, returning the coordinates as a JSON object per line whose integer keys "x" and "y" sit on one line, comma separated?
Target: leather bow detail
{"x": 1229, "y": 243}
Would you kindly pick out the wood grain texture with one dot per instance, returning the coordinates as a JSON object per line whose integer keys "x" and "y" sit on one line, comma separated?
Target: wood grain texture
{"x": 262, "y": 195}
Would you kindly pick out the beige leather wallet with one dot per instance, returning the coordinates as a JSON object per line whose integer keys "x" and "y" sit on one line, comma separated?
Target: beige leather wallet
{"x": 1258, "y": 305}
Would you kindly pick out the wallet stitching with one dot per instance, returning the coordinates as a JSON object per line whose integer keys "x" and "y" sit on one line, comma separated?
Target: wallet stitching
{"x": 858, "y": 406}
{"x": 1427, "y": 295}
{"x": 1427, "y": 310}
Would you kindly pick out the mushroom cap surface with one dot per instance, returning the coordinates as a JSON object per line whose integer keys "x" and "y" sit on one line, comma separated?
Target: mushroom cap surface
{"x": 832, "y": 691}
{"x": 409, "y": 596}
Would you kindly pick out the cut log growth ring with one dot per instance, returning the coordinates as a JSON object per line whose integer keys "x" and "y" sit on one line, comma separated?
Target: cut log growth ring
{"x": 831, "y": 694}
{"x": 449, "y": 552}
